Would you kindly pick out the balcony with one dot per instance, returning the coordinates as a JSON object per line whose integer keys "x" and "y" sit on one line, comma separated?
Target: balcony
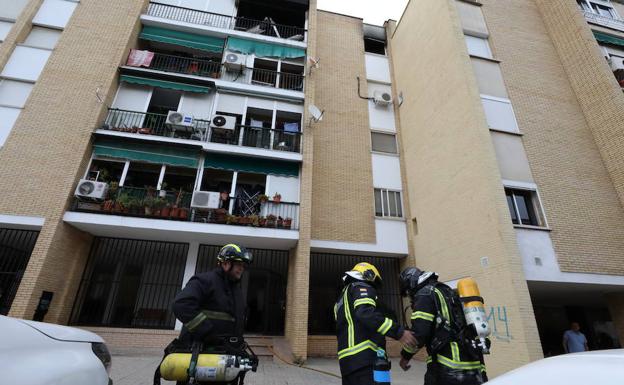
{"x": 151, "y": 124}
{"x": 210, "y": 69}
{"x": 604, "y": 21}
{"x": 176, "y": 206}
{"x": 265, "y": 27}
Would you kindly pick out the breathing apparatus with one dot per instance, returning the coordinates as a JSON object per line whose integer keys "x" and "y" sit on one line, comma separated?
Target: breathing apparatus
{"x": 474, "y": 312}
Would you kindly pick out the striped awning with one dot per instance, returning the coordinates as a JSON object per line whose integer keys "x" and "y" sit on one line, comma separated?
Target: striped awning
{"x": 251, "y": 165}
{"x": 185, "y": 39}
{"x": 164, "y": 84}
{"x": 147, "y": 152}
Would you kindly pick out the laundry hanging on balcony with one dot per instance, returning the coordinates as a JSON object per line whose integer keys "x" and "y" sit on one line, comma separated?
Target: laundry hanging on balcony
{"x": 251, "y": 165}
{"x": 164, "y": 84}
{"x": 147, "y": 152}
{"x": 138, "y": 58}
{"x": 259, "y": 49}
{"x": 185, "y": 39}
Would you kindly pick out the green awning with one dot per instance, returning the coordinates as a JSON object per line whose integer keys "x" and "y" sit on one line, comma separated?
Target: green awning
{"x": 608, "y": 39}
{"x": 164, "y": 84}
{"x": 263, "y": 49}
{"x": 252, "y": 165}
{"x": 147, "y": 152}
{"x": 185, "y": 39}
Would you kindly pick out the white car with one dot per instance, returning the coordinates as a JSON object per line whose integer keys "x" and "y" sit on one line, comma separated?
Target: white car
{"x": 604, "y": 367}
{"x": 37, "y": 353}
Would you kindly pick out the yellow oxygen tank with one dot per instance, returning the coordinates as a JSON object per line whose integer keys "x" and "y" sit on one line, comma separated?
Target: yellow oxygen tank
{"x": 210, "y": 367}
{"x": 474, "y": 310}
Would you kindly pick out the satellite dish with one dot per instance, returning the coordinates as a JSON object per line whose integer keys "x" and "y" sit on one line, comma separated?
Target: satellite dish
{"x": 317, "y": 115}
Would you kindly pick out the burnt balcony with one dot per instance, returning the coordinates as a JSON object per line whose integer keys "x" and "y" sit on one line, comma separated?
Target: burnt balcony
{"x": 176, "y": 206}
{"x": 266, "y": 26}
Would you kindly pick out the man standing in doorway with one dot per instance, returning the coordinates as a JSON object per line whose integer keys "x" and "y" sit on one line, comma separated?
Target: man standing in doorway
{"x": 573, "y": 340}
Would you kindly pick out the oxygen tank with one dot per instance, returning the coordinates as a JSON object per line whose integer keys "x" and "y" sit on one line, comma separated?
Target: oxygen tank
{"x": 474, "y": 310}
{"x": 210, "y": 367}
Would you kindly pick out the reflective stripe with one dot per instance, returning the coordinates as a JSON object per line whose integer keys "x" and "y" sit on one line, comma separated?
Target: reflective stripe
{"x": 408, "y": 349}
{"x": 385, "y": 326}
{"x": 192, "y": 324}
{"x": 429, "y": 360}
{"x": 455, "y": 351}
{"x": 461, "y": 365}
{"x": 233, "y": 245}
{"x": 368, "y": 344}
{"x": 422, "y": 315}
{"x": 364, "y": 301}
{"x": 336, "y": 312}
{"x": 445, "y": 312}
{"x": 345, "y": 304}
{"x": 208, "y": 314}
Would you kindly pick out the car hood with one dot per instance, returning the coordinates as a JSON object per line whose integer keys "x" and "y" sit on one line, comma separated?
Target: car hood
{"x": 63, "y": 333}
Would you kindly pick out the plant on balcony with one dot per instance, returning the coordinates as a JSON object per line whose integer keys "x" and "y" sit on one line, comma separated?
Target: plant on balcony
{"x": 184, "y": 213}
{"x": 145, "y": 131}
{"x": 263, "y": 198}
{"x": 244, "y": 221}
{"x": 232, "y": 220}
{"x": 254, "y": 220}
{"x": 148, "y": 205}
{"x": 277, "y": 198}
{"x": 287, "y": 224}
{"x": 108, "y": 205}
{"x": 280, "y": 222}
{"x": 165, "y": 211}
{"x": 123, "y": 203}
{"x": 262, "y": 222}
{"x": 221, "y": 216}
{"x": 157, "y": 206}
{"x": 135, "y": 206}
{"x": 271, "y": 220}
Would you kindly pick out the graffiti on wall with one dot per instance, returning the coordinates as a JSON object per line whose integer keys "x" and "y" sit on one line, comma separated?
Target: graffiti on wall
{"x": 499, "y": 323}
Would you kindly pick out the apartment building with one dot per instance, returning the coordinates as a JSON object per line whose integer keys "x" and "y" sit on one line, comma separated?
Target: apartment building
{"x": 137, "y": 137}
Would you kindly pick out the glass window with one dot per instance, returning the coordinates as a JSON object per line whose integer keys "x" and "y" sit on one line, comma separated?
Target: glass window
{"x": 374, "y": 46}
{"x": 478, "y": 46}
{"x": 8, "y": 116}
{"x": 5, "y": 28}
{"x": 26, "y": 63}
{"x": 42, "y": 37}
{"x": 388, "y": 203}
{"x": 12, "y": 9}
{"x": 524, "y": 207}
{"x": 384, "y": 142}
{"x": 14, "y": 93}
{"x": 105, "y": 171}
{"x": 54, "y": 13}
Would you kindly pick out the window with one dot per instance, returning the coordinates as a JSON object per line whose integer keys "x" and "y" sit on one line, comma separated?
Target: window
{"x": 499, "y": 114}
{"x": 374, "y": 46}
{"x": 5, "y": 28}
{"x": 602, "y": 8}
{"x": 14, "y": 93}
{"x": 41, "y": 37}
{"x": 478, "y": 46}
{"x": 8, "y": 116}
{"x": 11, "y": 9}
{"x": 388, "y": 203}
{"x": 26, "y": 63}
{"x": 54, "y": 13}
{"x": 524, "y": 207}
{"x": 384, "y": 142}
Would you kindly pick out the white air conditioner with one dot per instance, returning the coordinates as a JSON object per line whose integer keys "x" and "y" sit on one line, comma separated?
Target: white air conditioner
{"x": 178, "y": 119}
{"x": 91, "y": 189}
{"x": 382, "y": 98}
{"x": 617, "y": 63}
{"x": 223, "y": 122}
{"x": 205, "y": 200}
{"x": 234, "y": 61}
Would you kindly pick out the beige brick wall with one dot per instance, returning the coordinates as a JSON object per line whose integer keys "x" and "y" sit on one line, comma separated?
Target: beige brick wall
{"x": 121, "y": 338}
{"x": 342, "y": 177}
{"x": 571, "y": 111}
{"x": 47, "y": 149}
{"x": 455, "y": 189}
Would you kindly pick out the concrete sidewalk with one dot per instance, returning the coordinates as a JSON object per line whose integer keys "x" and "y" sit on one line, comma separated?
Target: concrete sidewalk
{"x": 133, "y": 368}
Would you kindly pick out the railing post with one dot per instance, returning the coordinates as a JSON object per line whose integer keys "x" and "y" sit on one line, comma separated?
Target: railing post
{"x": 241, "y": 135}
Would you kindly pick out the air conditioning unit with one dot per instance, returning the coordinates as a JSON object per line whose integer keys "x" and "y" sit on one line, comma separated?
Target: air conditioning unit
{"x": 205, "y": 200}
{"x": 223, "y": 122}
{"x": 382, "y": 98}
{"x": 91, "y": 189}
{"x": 617, "y": 63}
{"x": 178, "y": 119}
{"x": 234, "y": 62}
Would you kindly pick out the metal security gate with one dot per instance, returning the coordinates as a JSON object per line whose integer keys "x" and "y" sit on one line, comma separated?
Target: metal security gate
{"x": 326, "y": 272}
{"x": 130, "y": 283}
{"x": 16, "y": 246}
{"x": 264, "y": 287}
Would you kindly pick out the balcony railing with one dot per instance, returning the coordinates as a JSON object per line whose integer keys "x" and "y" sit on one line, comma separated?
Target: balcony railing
{"x": 174, "y": 205}
{"x": 605, "y": 21}
{"x": 185, "y": 65}
{"x": 146, "y": 123}
{"x": 283, "y": 80}
{"x": 260, "y": 27}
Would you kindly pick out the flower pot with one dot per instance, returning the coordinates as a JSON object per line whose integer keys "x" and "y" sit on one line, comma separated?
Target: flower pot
{"x": 287, "y": 224}
{"x": 156, "y": 212}
{"x": 175, "y": 212}
{"x": 262, "y": 222}
{"x": 270, "y": 223}
{"x": 277, "y": 199}
{"x": 280, "y": 223}
{"x": 145, "y": 131}
{"x": 183, "y": 214}
{"x": 244, "y": 221}
{"x": 165, "y": 212}
{"x": 148, "y": 211}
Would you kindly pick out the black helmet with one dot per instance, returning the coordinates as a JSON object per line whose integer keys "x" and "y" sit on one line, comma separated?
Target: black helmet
{"x": 413, "y": 279}
{"x": 233, "y": 252}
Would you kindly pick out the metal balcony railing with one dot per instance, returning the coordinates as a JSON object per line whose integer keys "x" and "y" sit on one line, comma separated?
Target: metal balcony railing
{"x": 605, "y": 21}
{"x": 258, "y": 137}
{"x": 185, "y": 65}
{"x": 147, "y": 123}
{"x": 283, "y": 80}
{"x": 252, "y": 212}
{"x": 260, "y": 27}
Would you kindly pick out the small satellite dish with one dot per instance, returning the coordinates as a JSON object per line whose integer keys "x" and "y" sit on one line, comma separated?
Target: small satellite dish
{"x": 317, "y": 115}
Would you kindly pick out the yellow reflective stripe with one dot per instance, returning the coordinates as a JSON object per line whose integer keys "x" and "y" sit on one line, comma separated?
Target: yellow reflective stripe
{"x": 409, "y": 349}
{"x": 364, "y": 301}
{"x": 345, "y": 304}
{"x": 462, "y": 365}
{"x": 429, "y": 360}
{"x": 368, "y": 344}
{"x": 192, "y": 324}
{"x": 422, "y": 315}
{"x": 445, "y": 312}
{"x": 336, "y": 312}
{"x": 455, "y": 351}
{"x": 233, "y": 245}
{"x": 385, "y": 326}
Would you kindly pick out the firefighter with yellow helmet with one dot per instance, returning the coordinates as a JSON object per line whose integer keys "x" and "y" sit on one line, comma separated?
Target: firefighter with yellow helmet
{"x": 361, "y": 327}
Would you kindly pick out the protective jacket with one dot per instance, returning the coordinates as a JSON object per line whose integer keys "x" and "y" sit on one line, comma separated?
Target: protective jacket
{"x": 438, "y": 323}
{"x": 361, "y": 328}
{"x": 210, "y": 305}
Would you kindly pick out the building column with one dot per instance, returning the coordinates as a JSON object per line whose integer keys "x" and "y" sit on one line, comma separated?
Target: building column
{"x": 189, "y": 270}
{"x": 297, "y": 297}
{"x": 616, "y": 308}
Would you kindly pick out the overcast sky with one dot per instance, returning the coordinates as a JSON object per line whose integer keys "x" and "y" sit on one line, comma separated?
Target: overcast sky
{"x": 373, "y": 11}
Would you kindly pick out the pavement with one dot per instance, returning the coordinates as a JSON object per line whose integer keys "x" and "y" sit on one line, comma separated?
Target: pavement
{"x": 134, "y": 368}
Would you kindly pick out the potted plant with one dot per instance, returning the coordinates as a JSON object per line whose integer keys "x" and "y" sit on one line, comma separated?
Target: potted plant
{"x": 134, "y": 206}
{"x": 263, "y": 198}
{"x": 270, "y": 220}
{"x": 277, "y": 198}
{"x": 108, "y": 205}
{"x": 145, "y": 131}
{"x": 157, "y": 206}
{"x": 280, "y": 222}
{"x": 165, "y": 211}
{"x": 254, "y": 220}
{"x": 184, "y": 213}
{"x": 232, "y": 220}
{"x": 287, "y": 224}
{"x": 244, "y": 221}
{"x": 148, "y": 204}
{"x": 221, "y": 216}
{"x": 262, "y": 222}
{"x": 123, "y": 203}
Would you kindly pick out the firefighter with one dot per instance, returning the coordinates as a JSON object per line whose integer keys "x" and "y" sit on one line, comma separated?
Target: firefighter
{"x": 361, "y": 327}
{"x": 438, "y": 323}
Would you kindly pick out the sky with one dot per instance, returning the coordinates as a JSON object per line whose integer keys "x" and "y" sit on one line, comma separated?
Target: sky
{"x": 373, "y": 11}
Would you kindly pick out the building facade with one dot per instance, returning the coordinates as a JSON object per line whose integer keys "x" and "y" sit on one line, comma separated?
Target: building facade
{"x": 137, "y": 137}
